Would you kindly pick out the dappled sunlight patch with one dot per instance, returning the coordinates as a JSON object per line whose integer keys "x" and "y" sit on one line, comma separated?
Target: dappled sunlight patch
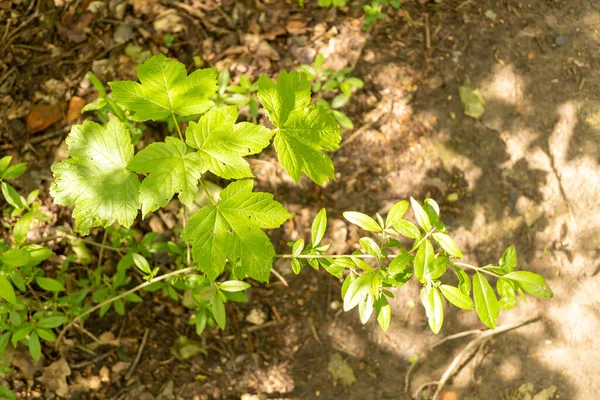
{"x": 504, "y": 85}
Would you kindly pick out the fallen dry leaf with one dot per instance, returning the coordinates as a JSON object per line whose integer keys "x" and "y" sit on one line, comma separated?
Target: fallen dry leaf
{"x": 55, "y": 376}
{"x": 296, "y": 27}
{"x": 449, "y": 395}
{"x": 266, "y": 50}
{"x": 42, "y": 116}
{"x": 75, "y": 106}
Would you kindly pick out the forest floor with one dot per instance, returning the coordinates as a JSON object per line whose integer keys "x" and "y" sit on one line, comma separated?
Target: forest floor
{"x": 526, "y": 173}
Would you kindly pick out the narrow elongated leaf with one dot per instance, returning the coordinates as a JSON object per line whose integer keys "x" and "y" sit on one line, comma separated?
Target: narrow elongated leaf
{"x": 407, "y": 228}
{"x": 396, "y": 213}
{"x": 370, "y": 247}
{"x": 434, "y": 307}
{"x": 486, "y": 303}
{"x": 507, "y": 262}
{"x": 234, "y": 286}
{"x": 363, "y": 220}
{"x": 95, "y": 178}
{"x": 420, "y": 215}
{"x": 11, "y": 196}
{"x": 14, "y": 171}
{"x": 22, "y": 228}
{"x": 16, "y": 257}
{"x": 532, "y": 283}
{"x": 218, "y": 311}
{"x": 508, "y": 296}
{"x": 436, "y": 268}
{"x": 6, "y": 290}
{"x": 171, "y": 169}
{"x": 448, "y": 244}
{"x": 222, "y": 144}
{"x": 4, "y": 163}
{"x": 49, "y": 284}
{"x": 51, "y": 322}
{"x": 400, "y": 263}
{"x": 166, "y": 90}
{"x": 464, "y": 282}
{"x": 35, "y": 349}
{"x": 365, "y": 308}
{"x": 384, "y": 313}
{"x": 305, "y": 132}
{"x": 357, "y": 291}
{"x": 456, "y": 297}
{"x": 231, "y": 230}
{"x": 319, "y": 226}
{"x": 423, "y": 258}
{"x": 346, "y": 285}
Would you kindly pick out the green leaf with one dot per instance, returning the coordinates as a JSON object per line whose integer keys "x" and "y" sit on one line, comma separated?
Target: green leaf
{"x": 166, "y": 90}
{"x": 508, "y": 296}
{"x": 95, "y": 178}
{"x": 218, "y": 311}
{"x": 6, "y": 394}
{"x": 346, "y": 285}
{"x": 342, "y": 119}
{"x": 507, "y": 262}
{"x": 6, "y": 290}
{"x": 319, "y": 226}
{"x": 365, "y": 308}
{"x": 456, "y": 297}
{"x": 357, "y": 291}
{"x": 532, "y": 283}
{"x": 141, "y": 262}
{"x": 49, "y": 284}
{"x": 436, "y": 268}
{"x": 37, "y": 254}
{"x": 12, "y": 197}
{"x": 50, "y": 322}
{"x": 4, "y": 163}
{"x": 371, "y": 247}
{"x": 4, "y": 340}
{"x": 472, "y": 100}
{"x": 14, "y": 171}
{"x": 231, "y": 230}
{"x": 421, "y": 215}
{"x": 297, "y": 247}
{"x": 45, "y": 334}
{"x": 432, "y": 209}
{"x": 448, "y": 244}
{"x": 296, "y": 266}
{"x": 234, "y": 286}
{"x": 171, "y": 169}
{"x": 35, "y": 349}
{"x": 407, "y": 228}
{"x": 423, "y": 258}
{"x": 396, "y": 213}
{"x": 383, "y": 311}
{"x": 305, "y": 132}
{"x": 434, "y": 307}
{"x": 464, "y": 282}
{"x": 119, "y": 307}
{"x": 362, "y": 220}
{"x": 16, "y": 257}
{"x": 22, "y": 228}
{"x": 486, "y": 303}
{"x": 400, "y": 263}
{"x": 222, "y": 144}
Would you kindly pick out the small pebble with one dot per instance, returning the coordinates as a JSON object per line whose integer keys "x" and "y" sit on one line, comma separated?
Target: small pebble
{"x": 561, "y": 40}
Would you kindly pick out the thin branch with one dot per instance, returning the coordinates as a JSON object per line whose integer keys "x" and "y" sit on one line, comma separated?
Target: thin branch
{"x": 478, "y": 269}
{"x": 207, "y": 192}
{"x": 138, "y": 356}
{"x": 124, "y": 294}
{"x": 280, "y": 277}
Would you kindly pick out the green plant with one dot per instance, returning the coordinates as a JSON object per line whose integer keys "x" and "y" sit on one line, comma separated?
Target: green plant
{"x": 241, "y": 95}
{"x": 329, "y": 83}
{"x": 375, "y": 11}
{"x": 223, "y": 243}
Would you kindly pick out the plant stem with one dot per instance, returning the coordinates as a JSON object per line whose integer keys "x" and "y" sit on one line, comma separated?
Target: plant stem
{"x": 64, "y": 235}
{"x": 207, "y": 192}
{"x": 187, "y": 243}
{"x": 101, "y": 254}
{"x": 478, "y": 269}
{"x": 177, "y": 126}
{"x": 124, "y": 294}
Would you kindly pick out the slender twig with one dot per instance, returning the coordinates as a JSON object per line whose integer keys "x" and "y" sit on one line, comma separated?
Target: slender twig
{"x": 280, "y": 277}
{"x": 465, "y": 354}
{"x": 207, "y": 192}
{"x": 65, "y": 235}
{"x": 124, "y": 294}
{"x": 177, "y": 126}
{"x": 478, "y": 269}
{"x": 101, "y": 254}
{"x": 138, "y": 356}
{"x": 92, "y": 361}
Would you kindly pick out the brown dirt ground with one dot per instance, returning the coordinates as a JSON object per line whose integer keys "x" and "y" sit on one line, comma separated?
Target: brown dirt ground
{"x": 526, "y": 173}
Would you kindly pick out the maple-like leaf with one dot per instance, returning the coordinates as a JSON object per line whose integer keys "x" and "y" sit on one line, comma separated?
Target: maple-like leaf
{"x": 231, "y": 231}
{"x": 95, "y": 178}
{"x": 171, "y": 169}
{"x": 222, "y": 143}
{"x": 305, "y": 132}
{"x": 166, "y": 90}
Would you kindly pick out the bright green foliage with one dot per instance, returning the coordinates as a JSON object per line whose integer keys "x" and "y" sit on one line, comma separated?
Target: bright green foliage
{"x": 305, "y": 132}
{"x": 95, "y": 178}
{"x": 171, "y": 169}
{"x": 222, "y": 143}
{"x": 166, "y": 90}
{"x": 231, "y": 230}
